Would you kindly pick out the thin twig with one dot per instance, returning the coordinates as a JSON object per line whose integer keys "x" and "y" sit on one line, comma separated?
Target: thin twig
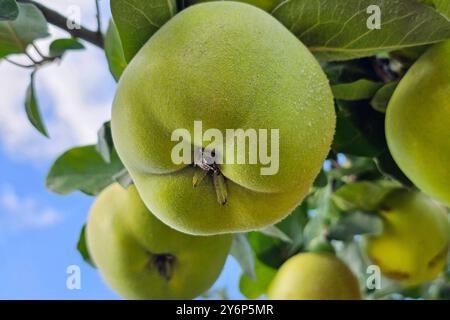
{"x": 39, "y": 52}
{"x": 99, "y": 20}
{"x": 60, "y": 21}
{"x": 27, "y": 66}
{"x": 30, "y": 57}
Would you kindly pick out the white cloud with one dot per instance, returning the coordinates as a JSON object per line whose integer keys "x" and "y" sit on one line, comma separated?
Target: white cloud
{"x": 24, "y": 212}
{"x": 75, "y": 97}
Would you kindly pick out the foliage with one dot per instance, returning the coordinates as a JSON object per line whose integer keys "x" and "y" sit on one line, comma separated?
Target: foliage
{"x": 364, "y": 67}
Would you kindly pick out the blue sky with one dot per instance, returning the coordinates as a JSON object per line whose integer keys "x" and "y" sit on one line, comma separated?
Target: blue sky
{"x": 38, "y": 229}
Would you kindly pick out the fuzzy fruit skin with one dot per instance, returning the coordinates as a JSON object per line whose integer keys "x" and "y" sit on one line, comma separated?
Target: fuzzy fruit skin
{"x": 230, "y": 65}
{"x": 418, "y": 123}
{"x": 314, "y": 276}
{"x": 413, "y": 246}
{"x": 266, "y": 5}
{"x": 120, "y": 233}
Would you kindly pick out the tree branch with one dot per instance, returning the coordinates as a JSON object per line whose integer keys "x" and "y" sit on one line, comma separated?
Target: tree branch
{"x": 60, "y": 21}
{"x": 99, "y": 19}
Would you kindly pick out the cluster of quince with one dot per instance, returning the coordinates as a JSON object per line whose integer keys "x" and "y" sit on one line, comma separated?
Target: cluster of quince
{"x": 232, "y": 65}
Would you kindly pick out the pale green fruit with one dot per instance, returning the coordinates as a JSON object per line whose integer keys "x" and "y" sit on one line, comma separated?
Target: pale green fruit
{"x": 141, "y": 258}
{"x": 314, "y": 276}
{"x": 229, "y": 65}
{"x": 413, "y": 246}
{"x": 418, "y": 123}
{"x": 267, "y": 5}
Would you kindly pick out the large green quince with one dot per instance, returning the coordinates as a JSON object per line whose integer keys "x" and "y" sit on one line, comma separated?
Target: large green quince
{"x": 418, "y": 123}
{"x": 229, "y": 65}
{"x": 266, "y": 5}
{"x": 142, "y": 258}
{"x": 413, "y": 246}
{"x": 314, "y": 276}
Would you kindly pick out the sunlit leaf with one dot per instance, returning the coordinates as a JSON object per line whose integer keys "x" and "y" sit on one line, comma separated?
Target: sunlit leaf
{"x": 338, "y": 30}
{"x": 138, "y": 20}
{"x": 16, "y": 35}
{"x": 59, "y": 46}
{"x": 114, "y": 51}
{"x": 9, "y": 10}
{"x": 32, "y": 108}
{"x": 242, "y": 252}
{"x": 82, "y": 168}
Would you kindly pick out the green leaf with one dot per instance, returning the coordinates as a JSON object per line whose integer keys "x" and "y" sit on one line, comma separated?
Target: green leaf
{"x": 321, "y": 180}
{"x": 242, "y": 252}
{"x": 32, "y": 108}
{"x": 320, "y": 244}
{"x": 9, "y": 10}
{"x": 337, "y": 30}
{"x": 356, "y": 167}
{"x": 349, "y": 71}
{"x": 82, "y": 247}
{"x": 123, "y": 178}
{"x": 355, "y": 223}
{"x": 356, "y": 258}
{"x": 114, "y": 51}
{"x": 442, "y": 6}
{"x": 364, "y": 196}
{"x": 382, "y": 97}
{"x": 138, "y": 20}
{"x": 216, "y": 294}
{"x": 254, "y": 288}
{"x": 358, "y": 90}
{"x": 105, "y": 144}
{"x": 82, "y": 168}
{"x": 273, "y": 251}
{"x": 275, "y": 232}
{"x": 59, "y": 46}
{"x": 16, "y": 35}
{"x": 359, "y": 130}
{"x": 390, "y": 169}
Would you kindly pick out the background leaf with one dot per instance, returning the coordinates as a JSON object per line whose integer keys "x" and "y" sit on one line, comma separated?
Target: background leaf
{"x": 105, "y": 144}
{"x": 32, "y": 108}
{"x": 390, "y": 169}
{"x": 273, "y": 251}
{"x": 337, "y": 30}
{"x": 82, "y": 247}
{"x": 242, "y": 252}
{"x": 9, "y": 10}
{"x": 321, "y": 180}
{"x": 114, "y": 51}
{"x": 359, "y": 130}
{"x": 382, "y": 97}
{"x": 364, "y": 195}
{"x": 442, "y": 6}
{"x": 275, "y": 232}
{"x": 358, "y": 90}
{"x": 355, "y": 223}
{"x": 83, "y": 169}
{"x": 254, "y": 288}
{"x": 16, "y": 35}
{"x": 138, "y": 20}
{"x": 59, "y": 46}
{"x": 123, "y": 178}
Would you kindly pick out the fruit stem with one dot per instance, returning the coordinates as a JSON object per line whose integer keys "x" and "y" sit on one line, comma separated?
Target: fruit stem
{"x": 206, "y": 164}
